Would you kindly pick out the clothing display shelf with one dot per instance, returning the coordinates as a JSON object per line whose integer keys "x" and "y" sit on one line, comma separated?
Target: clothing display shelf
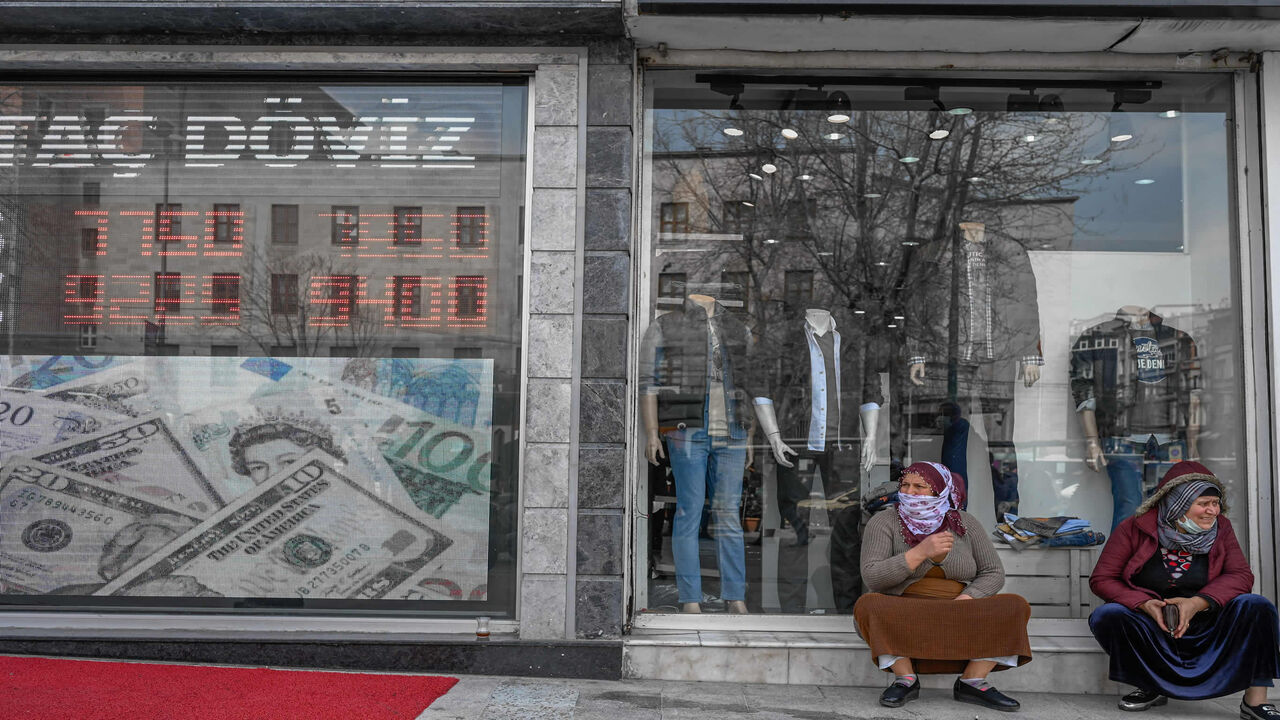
{"x": 1055, "y": 581}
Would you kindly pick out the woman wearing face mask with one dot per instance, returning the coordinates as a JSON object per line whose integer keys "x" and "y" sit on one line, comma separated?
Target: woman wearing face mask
{"x": 933, "y": 608}
{"x": 1178, "y": 551}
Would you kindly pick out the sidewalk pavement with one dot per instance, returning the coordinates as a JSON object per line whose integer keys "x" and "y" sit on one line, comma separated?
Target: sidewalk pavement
{"x": 478, "y": 697}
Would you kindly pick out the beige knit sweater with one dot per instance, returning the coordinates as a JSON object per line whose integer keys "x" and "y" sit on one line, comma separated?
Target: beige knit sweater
{"x": 972, "y": 560}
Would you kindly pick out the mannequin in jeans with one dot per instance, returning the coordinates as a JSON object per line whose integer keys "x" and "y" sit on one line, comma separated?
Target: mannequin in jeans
{"x": 699, "y": 456}
{"x": 1128, "y": 448}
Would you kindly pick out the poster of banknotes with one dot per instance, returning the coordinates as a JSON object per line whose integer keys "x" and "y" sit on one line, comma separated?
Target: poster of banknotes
{"x": 242, "y": 477}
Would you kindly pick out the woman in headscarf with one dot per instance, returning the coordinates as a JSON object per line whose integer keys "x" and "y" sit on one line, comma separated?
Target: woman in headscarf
{"x": 933, "y": 608}
{"x": 1179, "y": 551}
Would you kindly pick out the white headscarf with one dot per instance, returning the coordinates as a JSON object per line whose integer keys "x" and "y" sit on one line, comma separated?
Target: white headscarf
{"x": 924, "y": 515}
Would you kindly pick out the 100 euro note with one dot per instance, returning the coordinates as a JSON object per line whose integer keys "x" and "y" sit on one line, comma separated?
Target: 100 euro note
{"x": 308, "y": 531}
{"x": 145, "y": 457}
{"x": 64, "y": 533}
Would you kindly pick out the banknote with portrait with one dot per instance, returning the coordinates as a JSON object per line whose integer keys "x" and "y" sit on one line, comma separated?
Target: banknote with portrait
{"x": 63, "y": 533}
{"x": 308, "y": 531}
{"x": 145, "y": 457}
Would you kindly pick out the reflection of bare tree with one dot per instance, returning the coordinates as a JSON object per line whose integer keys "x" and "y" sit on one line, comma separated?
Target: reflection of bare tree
{"x": 303, "y": 304}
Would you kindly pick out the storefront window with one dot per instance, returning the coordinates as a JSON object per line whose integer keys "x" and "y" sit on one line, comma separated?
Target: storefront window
{"x": 261, "y": 344}
{"x": 878, "y": 271}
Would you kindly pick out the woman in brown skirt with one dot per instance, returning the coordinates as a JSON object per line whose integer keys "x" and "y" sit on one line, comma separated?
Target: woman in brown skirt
{"x": 933, "y": 608}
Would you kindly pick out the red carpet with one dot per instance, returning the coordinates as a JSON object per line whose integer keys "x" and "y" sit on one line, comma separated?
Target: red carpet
{"x": 44, "y": 689}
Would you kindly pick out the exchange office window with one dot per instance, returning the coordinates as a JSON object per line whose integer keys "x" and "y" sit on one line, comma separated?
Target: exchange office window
{"x": 247, "y": 402}
{"x": 1035, "y": 289}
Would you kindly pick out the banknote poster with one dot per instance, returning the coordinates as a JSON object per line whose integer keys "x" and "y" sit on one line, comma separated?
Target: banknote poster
{"x": 307, "y": 531}
{"x": 409, "y": 438}
{"x": 62, "y": 533}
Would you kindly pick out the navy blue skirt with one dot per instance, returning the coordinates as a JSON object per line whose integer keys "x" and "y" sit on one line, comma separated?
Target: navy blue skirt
{"x": 1222, "y": 652}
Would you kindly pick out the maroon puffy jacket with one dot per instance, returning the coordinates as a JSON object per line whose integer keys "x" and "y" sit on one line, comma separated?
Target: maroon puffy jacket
{"x": 1133, "y": 543}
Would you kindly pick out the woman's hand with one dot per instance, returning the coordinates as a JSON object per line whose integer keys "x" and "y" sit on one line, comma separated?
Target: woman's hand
{"x": 1187, "y": 607}
{"x": 1152, "y": 608}
{"x": 939, "y": 543}
{"x": 964, "y": 596}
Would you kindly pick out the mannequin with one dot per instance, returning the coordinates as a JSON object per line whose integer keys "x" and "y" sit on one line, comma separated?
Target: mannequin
{"x": 1123, "y": 373}
{"x": 807, "y": 423}
{"x": 699, "y": 400}
{"x": 988, "y": 337}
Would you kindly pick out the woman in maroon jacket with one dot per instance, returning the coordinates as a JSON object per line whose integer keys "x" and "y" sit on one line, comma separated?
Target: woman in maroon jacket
{"x": 1177, "y": 551}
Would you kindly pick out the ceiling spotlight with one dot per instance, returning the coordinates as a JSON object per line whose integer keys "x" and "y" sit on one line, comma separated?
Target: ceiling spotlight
{"x": 733, "y": 132}
{"x": 1091, "y": 161}
{"x": 771, "y": 241}
{"x": 859, "y": 312}
{"x": 872, "y": 195}
{"x": 908, "y": 159}
{"x": 748, "y": 204}
{"x": 806, "y": 177}
{"x": 1121, "y": 127}
{"x": 939, "y": 134}
{"x": 899, "y": 317}
{"x": 960, "y": 111}
{"x": 882, "y": 264}
{"x": 910, "y": 243}
{"x": 769, "y": 168}
{"x": 892, "y": 325}
{"x": 1170, "y": 114}
{"x": 975, "y": 179}
{"x": 790, "y": 134}
{"x": 839, "y": 104}
{"x": 1144, "y": 181}
{"x": 754, "y": 176}
{"x": 833, "y": 136}
{"x": 1030, "y": 138}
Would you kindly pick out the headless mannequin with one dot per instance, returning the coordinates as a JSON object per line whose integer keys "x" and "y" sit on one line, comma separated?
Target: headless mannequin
{"x": 820, "y": 322}
{"x": 1136, "y": 316}
{"x": 976, "y": 233}
{"x": 654, "y": 449}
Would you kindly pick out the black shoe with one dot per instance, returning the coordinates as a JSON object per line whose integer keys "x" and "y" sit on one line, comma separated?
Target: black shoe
{"x": 1265, "y": 711}
{"x": 1140, "y": 700}
{"x": 989, "y": 698}
{"x": 897, "y": 695}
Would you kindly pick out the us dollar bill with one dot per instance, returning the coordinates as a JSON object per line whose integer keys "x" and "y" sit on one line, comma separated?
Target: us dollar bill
{"x": 63, "y": 533}
{"x": 309, "y": 531}
{"x": 143, "y": 456}
{"x": 29, "y": 421}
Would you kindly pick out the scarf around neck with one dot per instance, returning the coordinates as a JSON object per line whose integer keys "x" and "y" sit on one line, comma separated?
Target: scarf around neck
{"x": 1172, "y": 507}
{"x": 920, "y": 516}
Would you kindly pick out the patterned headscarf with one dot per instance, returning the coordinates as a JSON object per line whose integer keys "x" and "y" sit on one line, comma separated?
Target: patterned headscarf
{"x": 920, "y": 515}
{"x": 1173, "y": 506}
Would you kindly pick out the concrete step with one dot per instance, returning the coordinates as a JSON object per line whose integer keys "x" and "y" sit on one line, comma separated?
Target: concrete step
{"x": 1061, "y": 663}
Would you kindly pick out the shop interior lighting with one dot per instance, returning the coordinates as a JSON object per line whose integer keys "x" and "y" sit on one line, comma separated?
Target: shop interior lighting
{"x": 960, "y": 111}
{"x": 754, "y": 176}
{"x": 748, "y": 204}
{"x": 771, "y": 241}
{"x": 892, "y": 325}
{"x": 1121, "y": 128}
{"x": 733, "y": 132}
{"x": 769, "y": 168}
{"x": 806, "y": 177}
{"x": 974, "y": 179}
{"x": 1029, "y": 138}
{"x": 939, "y": 134}
{"x": 908, "y": 159}
{"x": 840, "y": 107}
{"x": 833, "y": 136}
{"x": 910, "y": 243}
{"x": 859, "y": 312}
{"x": 882, "y": 263}
{"x": 1170, "y": 114}
{"x": 1144, "y": 181}
{"x": 1091, "y": 161}
{"x": 790, "y": 134}
{"x": 872, "y": 195}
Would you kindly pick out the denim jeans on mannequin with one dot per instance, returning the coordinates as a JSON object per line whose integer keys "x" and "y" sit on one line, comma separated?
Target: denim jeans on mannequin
{"x": 1134, "y": 468}
{"x": 696, "y": 460}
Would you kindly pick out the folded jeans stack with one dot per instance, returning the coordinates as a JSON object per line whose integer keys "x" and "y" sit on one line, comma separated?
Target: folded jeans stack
{"x": 1021, "y": 533}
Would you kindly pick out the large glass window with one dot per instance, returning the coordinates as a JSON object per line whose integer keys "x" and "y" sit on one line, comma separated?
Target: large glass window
{"x": 260, "y": 344}
{"x": 888, "y": 271}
